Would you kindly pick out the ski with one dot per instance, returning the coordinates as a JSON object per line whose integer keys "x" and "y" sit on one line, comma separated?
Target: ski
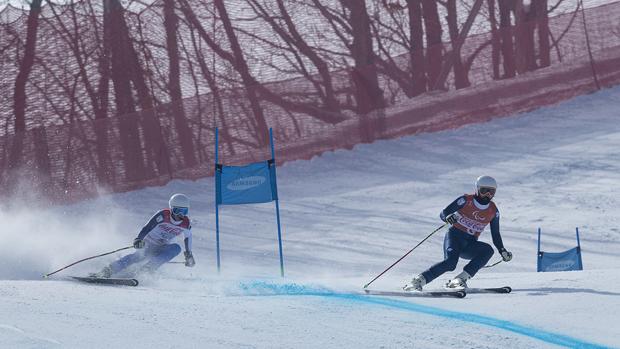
{"x": 505, "y": 289}
{"x": 435, "y": 294}
{"x": 107, "y": 281}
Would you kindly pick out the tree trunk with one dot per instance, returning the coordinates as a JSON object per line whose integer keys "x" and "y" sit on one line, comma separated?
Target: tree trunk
{"x": 262, "y": 130}
{"x": 19, "y": 97}
{"x": 133, "y": 160}
{"x": 25, "y": 66}
{"x": 460, "y": 73}
{"x": 329, "y": 95}
{"x": 105, "y": 173}
{"x": 148, "y": 121}
{"x": 368, "y": 94}
{"x": 98, "y": 95}
{"x": 171, "y": 23}
{"x": 495, "y": 40}
{"x": 416, "y": 55}
{"x": 542, "y": 22}
{"x": 524, "y": 52}
{"x": 505, "y": 25}
{"x": 434, "y": 46}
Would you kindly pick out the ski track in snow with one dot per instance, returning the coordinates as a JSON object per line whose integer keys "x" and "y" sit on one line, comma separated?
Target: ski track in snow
{"x": 265, "y": 288}
{"x": 240, "y": 292}
{"x": 14, "y": 336}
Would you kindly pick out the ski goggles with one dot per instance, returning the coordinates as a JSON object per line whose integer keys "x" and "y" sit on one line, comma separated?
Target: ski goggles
{"x": 180, "y": 211}
{"x": 488, "y": 192}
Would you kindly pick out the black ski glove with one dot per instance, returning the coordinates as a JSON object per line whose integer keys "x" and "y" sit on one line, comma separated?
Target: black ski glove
{"x": 453, "y": 218}
{"x": 138, "y": 243}
{"x": 189, "y": 259}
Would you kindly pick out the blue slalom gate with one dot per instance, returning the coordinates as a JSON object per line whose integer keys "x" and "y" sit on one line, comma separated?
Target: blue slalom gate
{"x": 248, "y": 184}
{"x": 560, "y": 261}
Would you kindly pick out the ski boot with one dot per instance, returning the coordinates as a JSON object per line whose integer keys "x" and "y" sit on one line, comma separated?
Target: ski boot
{"x": 416, "y": 283}
{"x": 105, "y": 273}
{"x": 459, "y": 282}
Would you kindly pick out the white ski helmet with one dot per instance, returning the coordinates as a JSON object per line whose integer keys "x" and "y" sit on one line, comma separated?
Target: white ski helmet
{"x": 179, "y": 204}
{"x": 486, "y": 183}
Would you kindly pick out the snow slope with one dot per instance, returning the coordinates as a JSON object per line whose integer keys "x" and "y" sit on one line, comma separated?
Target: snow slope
{"x": 346, "y": 215}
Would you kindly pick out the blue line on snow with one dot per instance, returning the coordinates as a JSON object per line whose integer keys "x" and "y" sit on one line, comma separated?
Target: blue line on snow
{"x": 262, "y": 288}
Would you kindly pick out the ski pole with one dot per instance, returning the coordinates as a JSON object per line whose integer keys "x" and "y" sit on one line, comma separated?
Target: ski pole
{"x": 406, "y": 254}
{"x": 494, "y": 264}
{"x": 85, "y": 259}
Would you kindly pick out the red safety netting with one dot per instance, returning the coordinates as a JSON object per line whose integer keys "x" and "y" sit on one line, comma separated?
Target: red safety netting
{"x": 106, "y": 108}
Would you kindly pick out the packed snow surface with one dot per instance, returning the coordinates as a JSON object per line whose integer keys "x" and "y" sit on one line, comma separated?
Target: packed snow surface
{"x": 346, "y": 216}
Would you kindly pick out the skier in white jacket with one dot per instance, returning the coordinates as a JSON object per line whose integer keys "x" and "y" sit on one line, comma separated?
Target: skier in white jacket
{"x": 154, "y": 242}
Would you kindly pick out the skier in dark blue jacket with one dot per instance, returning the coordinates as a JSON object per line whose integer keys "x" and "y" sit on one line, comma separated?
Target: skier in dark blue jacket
{"x": 468, "y": 215}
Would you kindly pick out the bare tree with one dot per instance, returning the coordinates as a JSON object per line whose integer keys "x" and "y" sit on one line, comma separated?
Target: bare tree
{"x": 249, "y": 82}
{"x": 25, "y": 66}
{"x": 283, "y": 24}
{"x": 416, "y": 52}
{"x": 521, "y": 49}
{"x": 460, "y": 72}
{"x": 19, "y": 97}
{"x": 351, "y": 23}
{"x": 236, "y": 58}
{"x": 83, "y": 48}
{"x": 171, "y": 23}
{"x": 524, "y": 43}
{"x": 495, "y": 39}
{"x": 123, "y": 57}
{"x": 419, "y": 33}
{"x": 540, "y": 13}
{"x": 368, "y": 94}
{"x": 401, "y": 32}
{"x": 432, "y": 27}
{"x": 506, "y": 7}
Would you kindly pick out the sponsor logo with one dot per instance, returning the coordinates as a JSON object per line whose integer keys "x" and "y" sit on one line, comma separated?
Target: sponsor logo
{"x": 561, "y": 266}
{"x": 171, "y": 229}
{"x": 246, "y": 183}
{"x": 472, "y": 226}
